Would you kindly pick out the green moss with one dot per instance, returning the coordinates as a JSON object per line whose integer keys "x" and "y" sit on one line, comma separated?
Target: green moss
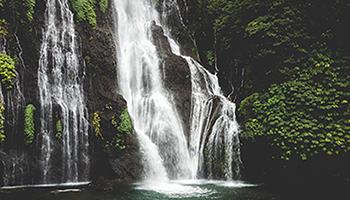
{"x": 3, "y": 28}
{"x": 7, "y": 70}
{"x": 103, "y": 5}
{"x": 123, "y": 129}
{"x": 59, "y": 129}
{"x": 29, "y": 123}
{"x": 96, "y": 124}
{"x": 260, "y": 24}
{"x": 85, "y": 11}
{"x": 2, "y": 122}
{"x": 211, "y": 57}
{"x": 116, "y": 144}
{"x": 30, "y": 6}
{"x": 125, "y": 125}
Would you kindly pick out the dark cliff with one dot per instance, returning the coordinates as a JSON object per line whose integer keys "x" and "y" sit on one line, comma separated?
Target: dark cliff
{"x": 110, "y": 160}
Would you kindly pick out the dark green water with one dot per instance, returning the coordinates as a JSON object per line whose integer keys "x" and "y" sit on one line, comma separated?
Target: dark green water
{"x": 173, "y": 191}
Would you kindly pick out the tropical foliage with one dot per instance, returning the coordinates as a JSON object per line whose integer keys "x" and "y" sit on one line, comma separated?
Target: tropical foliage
{"x": 7, "y": 70}
{"x": 306, "y": 116}
{"x": 289, "y": 66}
{"x": 29, "y": 123}
{"x": 85, "y": 10}
{"x": 123, "y": 129}
{"x": 2, "y": 122}
{"x": 96, "y": 124}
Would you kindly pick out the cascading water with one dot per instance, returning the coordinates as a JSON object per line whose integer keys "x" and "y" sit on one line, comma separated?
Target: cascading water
{"x": 156, "y": 120}
{"x": 213, "y": 123}
{"x": 60, "y": 81}
{"x": 213, "y": 120}
{"x": 12, "y": 103}
{"x": 213, "y": 126}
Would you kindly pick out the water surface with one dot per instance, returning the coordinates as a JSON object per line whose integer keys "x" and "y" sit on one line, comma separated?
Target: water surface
{"x": 184, "y": 190}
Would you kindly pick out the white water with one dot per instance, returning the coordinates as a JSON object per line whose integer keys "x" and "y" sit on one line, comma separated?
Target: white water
{"x": 156, "y": 120}
{"x": 164, "y": 147}
{"x": 15, "y": 166}
{"x": 213, "y": 119}
{"x": 60, "y": 82}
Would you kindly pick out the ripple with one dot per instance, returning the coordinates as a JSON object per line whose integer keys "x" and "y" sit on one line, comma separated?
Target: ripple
{"x": 175, "y": 190}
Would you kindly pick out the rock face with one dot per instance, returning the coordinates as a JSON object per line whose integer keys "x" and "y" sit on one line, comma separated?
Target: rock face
{"x": 176, "y": 75}
{"x": 97, "y": 49}
{"x": 99, "y": 53}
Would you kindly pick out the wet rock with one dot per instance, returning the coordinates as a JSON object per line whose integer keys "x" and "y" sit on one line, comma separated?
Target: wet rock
{"x": 99, "y": 53}
{"x": 176, "y": 75}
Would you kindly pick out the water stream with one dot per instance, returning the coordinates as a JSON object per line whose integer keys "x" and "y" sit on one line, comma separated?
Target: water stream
{"x": 161, "y": 136}
{"x": 156, "y": 120}
{"x": 60, "y": 82}
{"x": 213, "y": 121}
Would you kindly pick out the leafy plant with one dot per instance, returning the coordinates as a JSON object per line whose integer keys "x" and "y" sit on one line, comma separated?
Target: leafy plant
{"x": 30, "y": 5}
{"x": 125, "y": 125}
{"x": 103, "y": 5}
{"x": 7, "y": 70}
{"x": 2, "y": 122}
{"x": 29, "y": 123}
{"x": 124, "y": 128}
{"x": 85, "y": 11}
{"x": 59, "y": 129}
{"x": 3, "y": 29}
{"x": 304, "y": 117}
{"x": 96, "y": 124}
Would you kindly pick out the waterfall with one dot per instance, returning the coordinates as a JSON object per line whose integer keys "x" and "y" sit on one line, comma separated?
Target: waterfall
{"x": 213, "y": 121}
{"x": 160, "y": 133}
{"x": 60, "y": 82}
{"x": 156, "y": 120}
{"x": 213, "y": 126}
{"x": 12, "y": 100}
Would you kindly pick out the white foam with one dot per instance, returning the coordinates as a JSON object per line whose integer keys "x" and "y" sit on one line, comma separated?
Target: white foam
{"x": 220, "y": 183}
{"x": 175, "y": 190}
{"x": 65, "y": 191}
{"x": 77, "y": 184}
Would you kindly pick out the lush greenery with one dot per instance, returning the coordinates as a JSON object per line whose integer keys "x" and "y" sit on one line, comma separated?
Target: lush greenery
{"x": 7, "y": 70}
{"x": 96, "y": 124}
{"x": 306, "y": 116}
{"x": 103, "y": 5}
{"x": 256, "y": 41}
{"x": 2, "y": 122}
{"x": 125, "y": 125}
{"x": 123, "y": 129}
{"x": 288, "y": 62}
{"x": 21, "y": 10}
{"x": 3, "y": 29}
{"x": 85, "y": 10}
{"x": 29, "y": 123}
{"x": 30, "y": 5}
{"x": 59, "y": 129}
